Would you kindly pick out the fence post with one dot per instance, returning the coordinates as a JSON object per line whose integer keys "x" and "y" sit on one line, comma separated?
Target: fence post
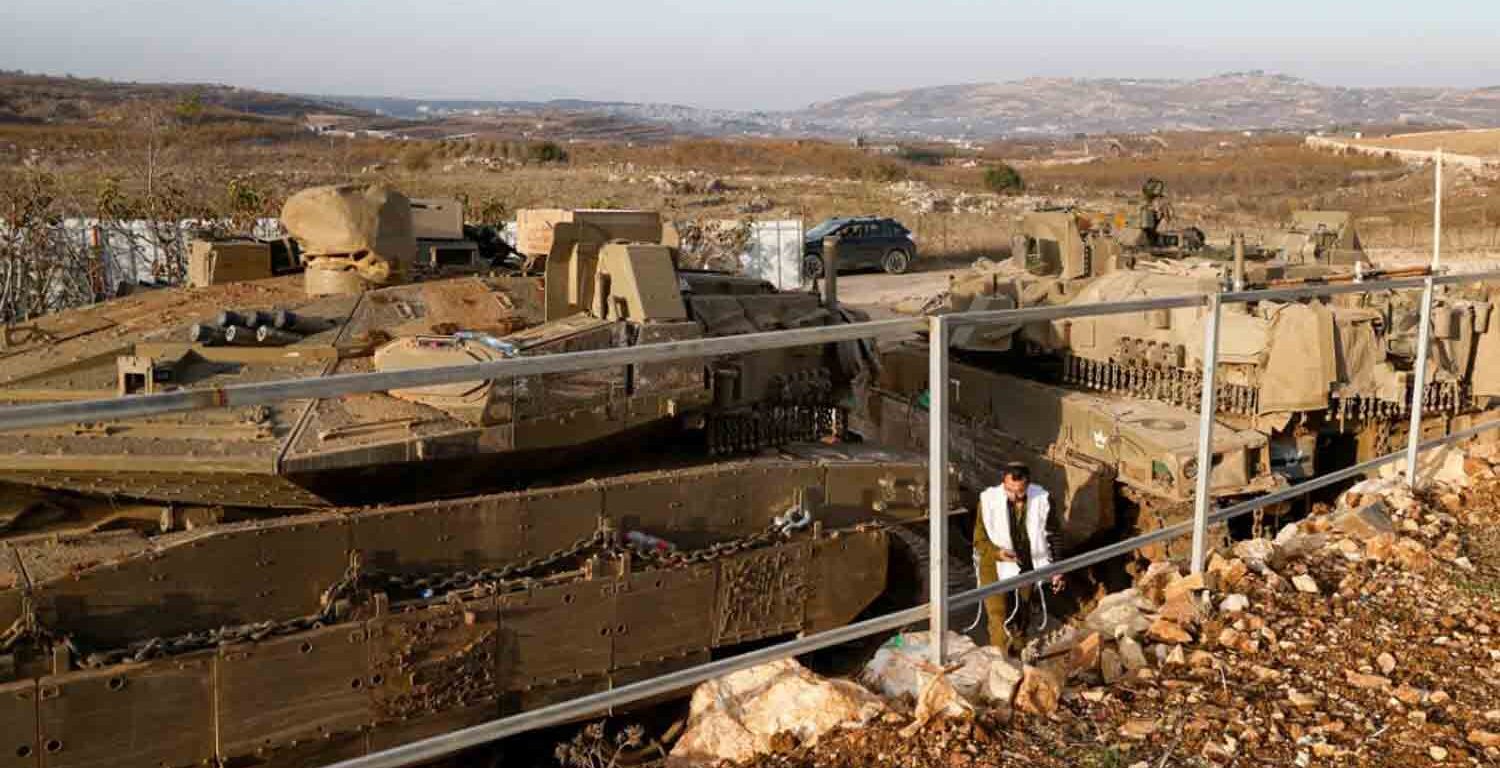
{"x": 937, "y": 485}
{"x": 1424, "y": 330}
{"x": 1207, "y": 406}
{"x": 1437, "y": 207}
{"x": 1419, "y": 384}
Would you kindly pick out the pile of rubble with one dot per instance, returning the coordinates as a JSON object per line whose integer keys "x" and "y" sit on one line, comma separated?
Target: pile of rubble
{"x": 482, "y": 162}
{"x": 714, "y": 243}
{"x": 920, "y": 197}
{"x": 1367, "y": 633}
{"x": 687, "y": 183}
{"x": 924, "y": 198}
{"x": 756, "y": 204}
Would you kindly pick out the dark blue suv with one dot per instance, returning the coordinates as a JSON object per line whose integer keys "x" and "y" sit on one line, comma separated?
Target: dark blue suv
{"x": 865, "y": 242}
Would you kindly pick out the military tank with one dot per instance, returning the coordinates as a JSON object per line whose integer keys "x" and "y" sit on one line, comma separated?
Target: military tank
{"x": 609, "y": 283}
{"x": 1321, "y": 237}
{"x": 1310, "y": 237}
{"x": 1106, "y": 406}
{"x": 246, "y": 616}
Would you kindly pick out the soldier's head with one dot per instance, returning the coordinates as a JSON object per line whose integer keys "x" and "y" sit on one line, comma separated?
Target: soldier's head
{"x": 1015, "y": 478}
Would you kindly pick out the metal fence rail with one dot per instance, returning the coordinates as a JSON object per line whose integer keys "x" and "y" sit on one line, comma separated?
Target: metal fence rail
{"x": 337, "y": 385}
{"x": 135, "y": 406}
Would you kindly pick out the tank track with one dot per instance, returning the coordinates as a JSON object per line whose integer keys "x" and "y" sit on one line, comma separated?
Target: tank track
{"x": 1182, "y": 387}
{"x": 766, "y": 426}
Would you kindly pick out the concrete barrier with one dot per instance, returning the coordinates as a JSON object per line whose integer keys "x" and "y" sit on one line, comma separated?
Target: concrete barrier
{"x": 1482, "y": 165}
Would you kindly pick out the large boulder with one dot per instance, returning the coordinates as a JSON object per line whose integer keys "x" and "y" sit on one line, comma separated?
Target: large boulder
{"x": 1153, "y": 583}
{"x": 1259, "y": 554}
{"x": 1039, "y": 691}
{"x": 1120, "y": 614}
{"x": 1366, "y": 521}
{"x": 1444, "y": 466}
{"x": 737, "y": 716}
{"x": 1293, "y": 541}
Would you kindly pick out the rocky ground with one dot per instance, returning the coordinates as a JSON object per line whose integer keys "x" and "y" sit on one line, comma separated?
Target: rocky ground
{"x": 1366, "y": 634}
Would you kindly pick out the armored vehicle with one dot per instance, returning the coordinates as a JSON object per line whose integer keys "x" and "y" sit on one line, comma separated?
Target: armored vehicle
{"x": 248, "y": 620}
{"x": 1314, "y": 237}
{"x": 1105, "y": 405}
{"x": 605, "y": 287}
{"x": 1065, "y": 243}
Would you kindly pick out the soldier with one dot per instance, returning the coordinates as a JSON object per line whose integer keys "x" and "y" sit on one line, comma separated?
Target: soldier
{"x": 1011, "y": 536}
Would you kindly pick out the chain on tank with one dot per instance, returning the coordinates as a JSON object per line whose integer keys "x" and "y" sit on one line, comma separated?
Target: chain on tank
{"x": 430, "y": 588}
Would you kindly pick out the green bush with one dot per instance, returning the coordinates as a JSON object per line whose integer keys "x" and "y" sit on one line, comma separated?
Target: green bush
{"x": 923, "y": 155}
{"x": 1004, "y": 180}
{"x": 547, "y": 152}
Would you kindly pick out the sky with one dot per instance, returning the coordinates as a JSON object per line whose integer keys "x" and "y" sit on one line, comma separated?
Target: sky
{"x": 736, "y": 54}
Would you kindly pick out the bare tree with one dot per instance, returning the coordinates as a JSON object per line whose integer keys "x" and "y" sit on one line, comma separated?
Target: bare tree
{"x": 44, "y": 264}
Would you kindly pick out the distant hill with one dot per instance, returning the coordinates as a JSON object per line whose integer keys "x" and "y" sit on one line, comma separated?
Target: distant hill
{"x": 1039, "y": 106}
{"x": 1032, "y": 107}
{"x": 674, "y": 118}
{"x": 1243, "y": 100}
{"x": 31, "y": 98}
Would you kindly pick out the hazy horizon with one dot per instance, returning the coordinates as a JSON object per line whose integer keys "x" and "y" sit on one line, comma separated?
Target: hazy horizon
{"x": 774, "y": 55}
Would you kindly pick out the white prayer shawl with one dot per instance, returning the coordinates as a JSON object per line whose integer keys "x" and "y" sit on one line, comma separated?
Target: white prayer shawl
{"x": 992, "y": 509}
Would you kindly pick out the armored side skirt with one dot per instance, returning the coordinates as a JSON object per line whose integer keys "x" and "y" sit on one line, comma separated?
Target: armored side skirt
{"x": 259, "y": 642}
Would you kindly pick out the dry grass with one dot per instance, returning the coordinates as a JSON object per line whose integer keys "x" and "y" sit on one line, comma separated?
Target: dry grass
{"x": 1220, "y": 181}
{"x": 1266, "y": 179}
{"x": 1481, "y": 143}
{"x": 767, "y": 157}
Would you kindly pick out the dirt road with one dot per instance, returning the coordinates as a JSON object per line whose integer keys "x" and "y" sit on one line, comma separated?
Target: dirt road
{"x": 880, "y": 294}
{"x": 879, "y": 291}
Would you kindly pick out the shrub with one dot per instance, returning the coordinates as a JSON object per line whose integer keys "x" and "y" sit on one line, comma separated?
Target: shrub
{"x": 1003, "y": 179}
{"x": 923, "y": 155}
{"x": 488, "y": 210}
{"x": 885, "y": 172}
{"x": 417, "y": 158}
{"x": 547, "y": 152}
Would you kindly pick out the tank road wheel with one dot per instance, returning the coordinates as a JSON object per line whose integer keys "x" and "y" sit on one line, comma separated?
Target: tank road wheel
{"x": 896, "y": 262}
{"x": 812, "y": 267}
{"x": 910, "y": 571}
{"x": 908, "y": 574}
